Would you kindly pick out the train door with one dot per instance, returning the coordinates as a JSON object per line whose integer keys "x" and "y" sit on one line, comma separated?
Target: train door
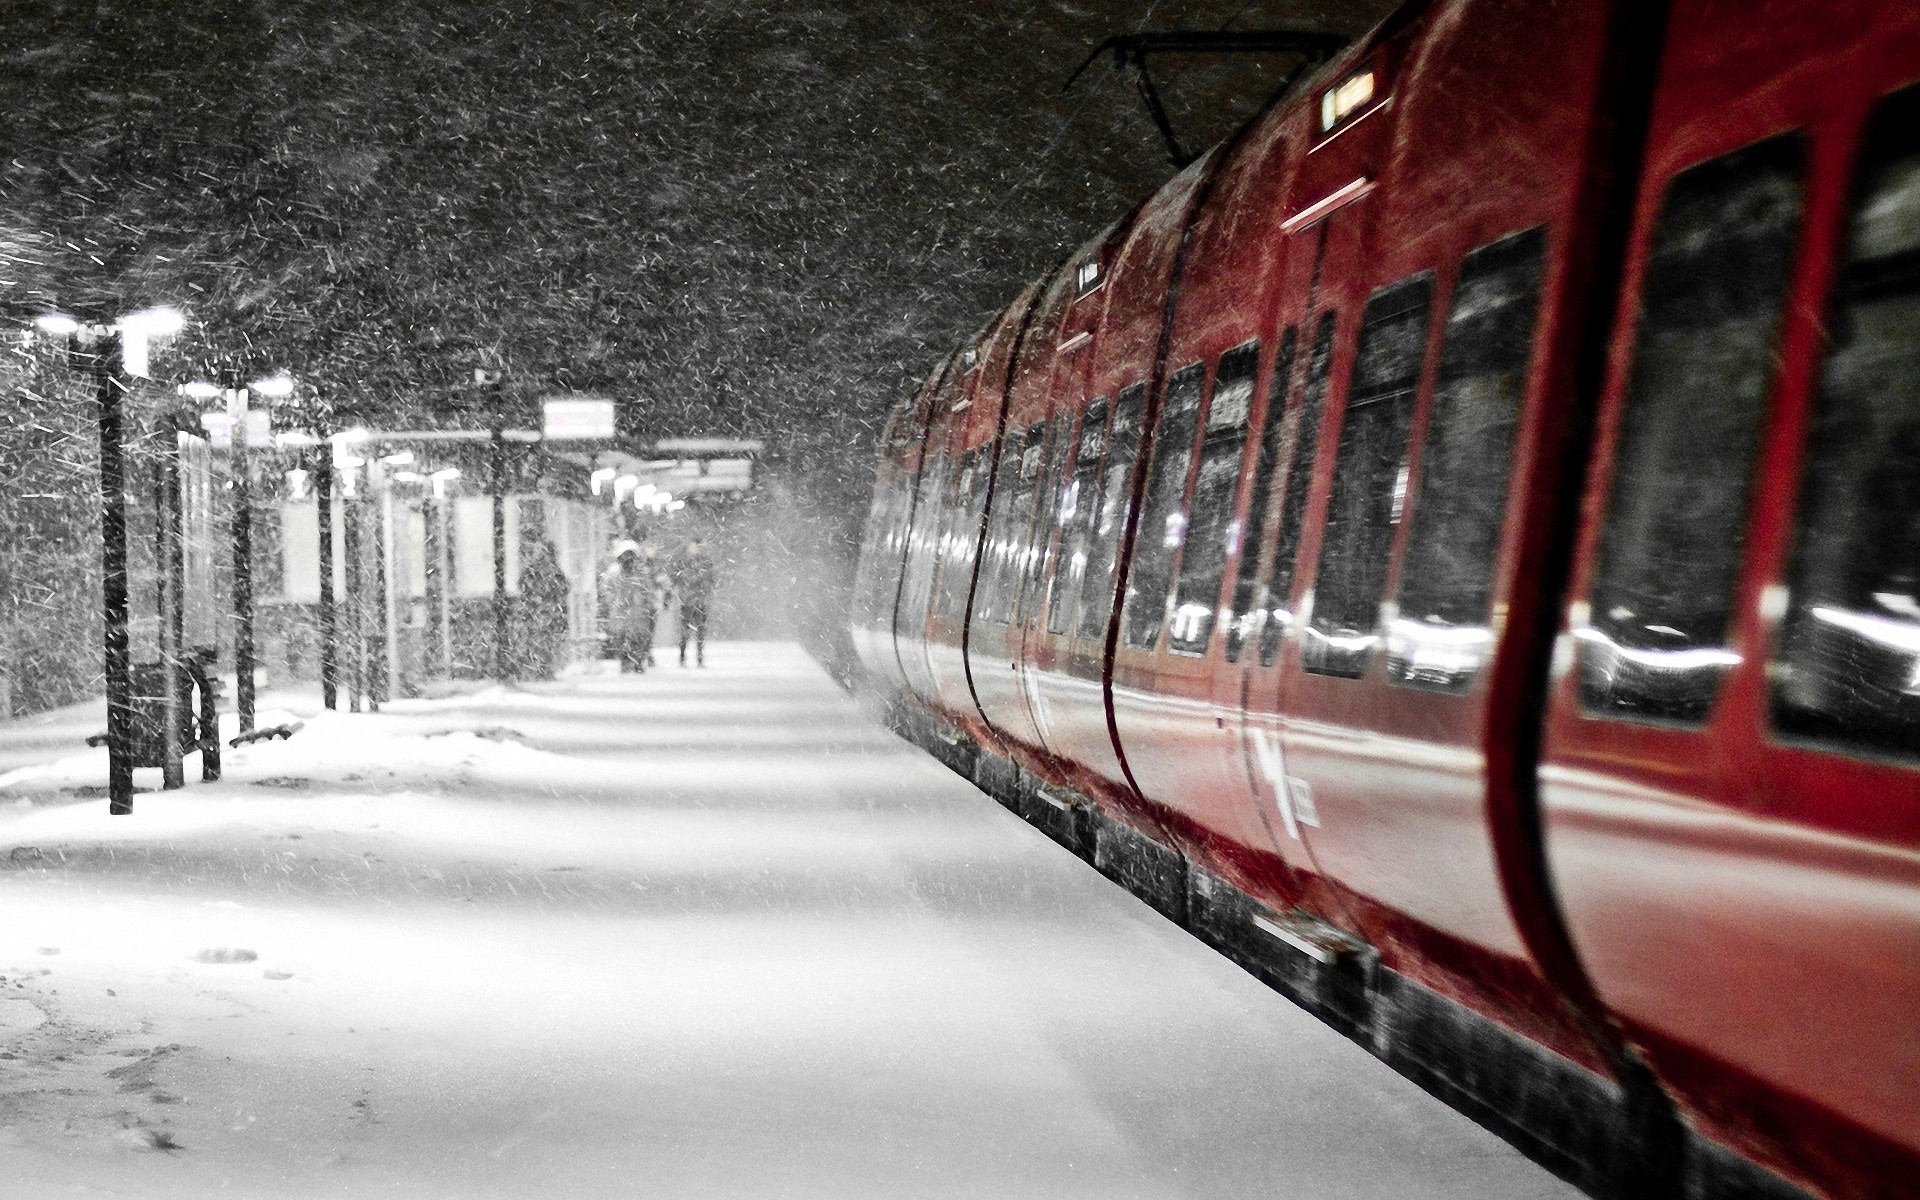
{"x": 1732, "y": 781}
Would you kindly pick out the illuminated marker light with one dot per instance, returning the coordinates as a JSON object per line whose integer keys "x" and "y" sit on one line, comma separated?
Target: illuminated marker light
{"x": 1345, "y": 98}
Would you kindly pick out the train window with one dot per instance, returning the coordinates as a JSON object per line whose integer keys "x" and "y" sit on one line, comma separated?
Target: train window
{"x": 1163, "y": 525}
{"x": 1076, "y": 509}
{"x": 1303, "y": 434}
{"x": 1212, "y": 533}
{"x": 1045, "y": 520}
{"x": 1654, "y": 644}
{"x": 1440, "y": 636}
{"x": 1005, "y": 505}
{"x": 924, "y": 539}
{"x": 1847, "y": 663}
{"x": 1247, "y": 603}
{"x": 1110, "y": 509}
{"x": 1369, "y": 481}
{"x": 963, "y": 534}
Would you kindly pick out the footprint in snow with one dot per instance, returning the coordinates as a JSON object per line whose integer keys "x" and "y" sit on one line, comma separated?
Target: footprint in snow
{"x": 222, "y": 954}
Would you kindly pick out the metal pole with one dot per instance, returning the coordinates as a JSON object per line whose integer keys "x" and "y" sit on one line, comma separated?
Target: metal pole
{"x": 497, "y": 484}
{"x": 356, "y": 631}
{"x": 436, "y": 598}
{"x": 242, "y": 558}
{"x": 329, "y": 619}
{"x": 380, "y": 662}
{"x": 172, "y": 606}
{"x": 113, "y": 576}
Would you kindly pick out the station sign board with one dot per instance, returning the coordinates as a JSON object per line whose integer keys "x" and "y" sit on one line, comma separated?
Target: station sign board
{"x": 576, "y": 417}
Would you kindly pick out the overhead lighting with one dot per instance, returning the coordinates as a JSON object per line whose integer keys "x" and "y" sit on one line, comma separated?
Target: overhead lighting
{"x": 600, "y": 477}
{"x": 276, "y": 385}
{"x": 397, "y": 458}
{"x": 446, "y": 473}
{"x": 154, "y": 322}
{"x": 57, "y": 324}
{"x": 200, "y": 389}
{"x": 408, "y": 476}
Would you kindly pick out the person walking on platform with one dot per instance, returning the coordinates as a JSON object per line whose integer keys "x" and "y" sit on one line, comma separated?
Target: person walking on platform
{"x": 693, "y": 584}
{"x": 628, "y": 589}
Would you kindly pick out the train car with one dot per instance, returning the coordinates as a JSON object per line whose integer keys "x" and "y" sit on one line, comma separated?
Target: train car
{"x": 1456, "y": 549}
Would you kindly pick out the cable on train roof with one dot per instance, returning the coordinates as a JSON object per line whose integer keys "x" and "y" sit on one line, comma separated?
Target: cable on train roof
{"x": 1132, "y": 49}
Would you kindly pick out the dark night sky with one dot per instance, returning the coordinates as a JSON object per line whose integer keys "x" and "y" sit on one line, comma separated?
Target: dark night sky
{"x": 764, "y": 218}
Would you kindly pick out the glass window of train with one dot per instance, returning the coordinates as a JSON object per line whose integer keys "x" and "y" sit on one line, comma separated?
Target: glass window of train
{"x": 1846, "y": 668}
{"x": 963, "y": 529}
{"x": 1110, "y": 509}
{"x": 1440, "y": 634}
{"x": 1654, "y": 645}
{"x": 1301, "y": 434}
{"x": 921, "y": 539}
{"x": 1000, "y": 504}
{"x": 1369, "y": 481}
{"x": 943, "y": 534}
{"x": 1248, "y": 601}
{"x": 1163, "y": 523}
{"x": 1010, "y": 564}
{"x": 1212, "y": 534}
{"x": 1046, "y": 508}
{"x": 1076, "y": 518}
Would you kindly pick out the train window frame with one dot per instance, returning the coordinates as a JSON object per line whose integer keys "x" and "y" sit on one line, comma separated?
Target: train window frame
{"x": 991, "y": 585}
{"x": 1042, "y": 527}
{"x": 1126, "y": 424}
{"x": 1246, "y": 600}
{"x": 1303, "y": 449}
{"x": 1076, "y": 532}
{"x": 1212, "y": 531}
{"x": 1366, "y": 500}
{"x": 1853, "y": 466}
{"x": 1488, "y": 344}
{"x": 1155, "y": 556}
{"x": 1674, "y": 527}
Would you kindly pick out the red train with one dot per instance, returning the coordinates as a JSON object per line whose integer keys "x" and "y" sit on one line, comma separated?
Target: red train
{"x": 1457, "y": 549}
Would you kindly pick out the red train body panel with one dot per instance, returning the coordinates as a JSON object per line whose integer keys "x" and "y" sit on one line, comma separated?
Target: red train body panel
{"x": 1457, "y": 547}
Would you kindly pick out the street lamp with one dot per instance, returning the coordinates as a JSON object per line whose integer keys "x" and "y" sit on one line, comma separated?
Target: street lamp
{"x": 239, "y": 442}
{"x": 111, "y": 350}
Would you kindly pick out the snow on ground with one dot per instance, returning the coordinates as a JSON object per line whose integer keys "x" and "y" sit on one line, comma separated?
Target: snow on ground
{"x": 687, "y": 934}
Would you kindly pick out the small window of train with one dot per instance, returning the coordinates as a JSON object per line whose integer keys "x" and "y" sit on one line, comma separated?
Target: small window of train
{"x": 1248, "y": 600}
{"x": 1440, "y": 637}
{"x": 1212, "y": 535}
{"x": 1003, "y": 503}
{"x": 1347, "y": 98}
{"x": 1163, "y": 529}
{"x": 1123, "y": 444}
{"x": 1847, "y": 659}
{"x": 1655, "y": 647}
{"x": 1086, "y": 276}
{"x": 1046, "y": 506}
{"x": 1076, "y": 518}
{"x": 1304, "y": 435}
{"x": 1369, "y": 481}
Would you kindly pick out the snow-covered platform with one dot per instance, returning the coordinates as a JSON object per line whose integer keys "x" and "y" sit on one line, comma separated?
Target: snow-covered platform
{"x": 684, "y": 934}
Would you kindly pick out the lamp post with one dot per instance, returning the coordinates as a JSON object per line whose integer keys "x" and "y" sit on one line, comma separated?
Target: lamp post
{"x": 237, "y": 396}
{"x": 497, "y": 488}
{"x": 111, "y": 351}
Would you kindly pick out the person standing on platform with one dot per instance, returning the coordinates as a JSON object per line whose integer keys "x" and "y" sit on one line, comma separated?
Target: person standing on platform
{"x": 628, "y": 587}
{"x": 693, "y": 584}
{"x": 543, "y": 611}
